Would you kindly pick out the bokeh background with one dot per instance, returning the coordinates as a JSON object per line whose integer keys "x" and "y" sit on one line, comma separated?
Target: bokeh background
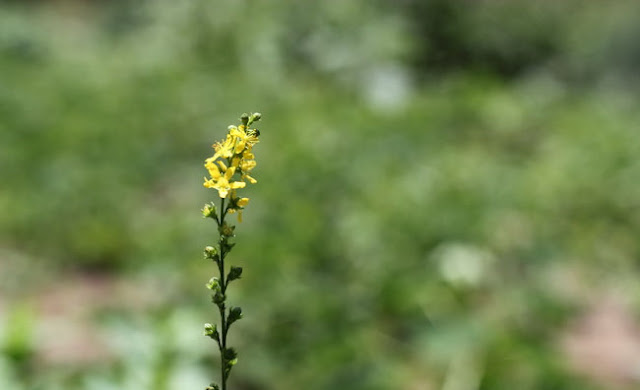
{"x": 448, "y": 196}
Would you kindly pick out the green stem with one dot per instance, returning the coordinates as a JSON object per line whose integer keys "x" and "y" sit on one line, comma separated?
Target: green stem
{"x": 222, "y": 306}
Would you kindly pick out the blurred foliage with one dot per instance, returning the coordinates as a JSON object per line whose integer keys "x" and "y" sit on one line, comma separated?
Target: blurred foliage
{"x": 433, "y": 175}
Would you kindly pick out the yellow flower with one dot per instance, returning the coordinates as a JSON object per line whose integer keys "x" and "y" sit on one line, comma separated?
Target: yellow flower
{"x": 221, "y": 182}
{"x": 223, "y": 149}
{"x": 242, "y": 138}
{"x": 248, "y": 165}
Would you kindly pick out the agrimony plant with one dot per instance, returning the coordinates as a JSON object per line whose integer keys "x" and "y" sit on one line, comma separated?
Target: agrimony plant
{"x": 229, "y": 171}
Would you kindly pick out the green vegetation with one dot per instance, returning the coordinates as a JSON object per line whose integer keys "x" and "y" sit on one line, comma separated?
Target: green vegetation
{"x": 444, "y": 188}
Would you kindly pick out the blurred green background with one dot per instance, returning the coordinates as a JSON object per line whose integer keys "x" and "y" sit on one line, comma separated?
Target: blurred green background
{"x": 448, "y": 196}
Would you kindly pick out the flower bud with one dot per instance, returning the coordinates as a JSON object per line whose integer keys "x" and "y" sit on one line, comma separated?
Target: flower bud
{"x": 213, "y": 284}
{"x": 210, "y": 252}
{"x": 209, "y": 210}
{"x": 235, "y": 313}
{"x": 234, "y": 273}
{"x": 211, "y": 331}
{"x": 255, "y": 117}
{"x": 244, "y": 118}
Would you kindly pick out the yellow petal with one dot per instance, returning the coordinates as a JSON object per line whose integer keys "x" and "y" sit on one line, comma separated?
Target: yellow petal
{"x": 229, "y": 173}
{"x": 213, "y": 171}
{"x": 238, "y": 184}
{"x": 208, "y": 183}
{"x": 248, "y": 165}
{"x": 239, "y": 147}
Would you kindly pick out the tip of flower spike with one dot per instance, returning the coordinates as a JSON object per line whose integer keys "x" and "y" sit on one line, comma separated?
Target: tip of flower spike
{"x": 255, "y": 117}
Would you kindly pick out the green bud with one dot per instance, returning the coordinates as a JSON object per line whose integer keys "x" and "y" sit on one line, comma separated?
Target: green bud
{"x": 254, "y": 118}
{"x": 209, "y": 210}
{"x": 213, "y": 284}
{"x": 235, "y": 313}
{"x": 234, "y": 273}
{"x": 244, "y": 118}
{"x": 211, "y": 331}
{"x": 210, "y": 253}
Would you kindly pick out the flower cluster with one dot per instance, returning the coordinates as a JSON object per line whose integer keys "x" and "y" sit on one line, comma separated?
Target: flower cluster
{"x": 230, "y": 167}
